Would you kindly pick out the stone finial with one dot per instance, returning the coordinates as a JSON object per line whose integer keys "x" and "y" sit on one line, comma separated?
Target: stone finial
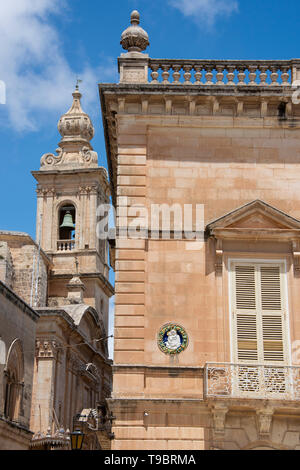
{"x": 134, "y": 38}
{"x": 77, "y": 130}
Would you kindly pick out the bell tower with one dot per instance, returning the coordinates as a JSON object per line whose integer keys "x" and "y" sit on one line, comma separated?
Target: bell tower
{"x": 70, "y": 187}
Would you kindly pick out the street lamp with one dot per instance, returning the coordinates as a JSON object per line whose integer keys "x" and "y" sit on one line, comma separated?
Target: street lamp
{"x": 77, "y": 438}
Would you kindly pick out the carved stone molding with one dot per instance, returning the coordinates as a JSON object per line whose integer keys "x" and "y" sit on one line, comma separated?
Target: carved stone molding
{"x": 264, "y": 421}
{"x": 219, "y": 257}
{"x": 46, "y": 192}
{"x": 47, "y": 348}
{"x": 296, "y": 256}
{"x": 74, "y": 363}
{"x": 49, "y": 159}
{"x": 88, "y": 156}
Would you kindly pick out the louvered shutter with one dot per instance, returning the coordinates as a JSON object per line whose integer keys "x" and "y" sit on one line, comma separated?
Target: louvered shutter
{"x": 245, "y": 313}
{"x": 258, "y": 314}
{"x": 272, "y": 314}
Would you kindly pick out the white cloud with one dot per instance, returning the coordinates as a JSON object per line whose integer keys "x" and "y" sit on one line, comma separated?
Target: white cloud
{"x": 205, "y": 11}
{"x": 38, "y": 77}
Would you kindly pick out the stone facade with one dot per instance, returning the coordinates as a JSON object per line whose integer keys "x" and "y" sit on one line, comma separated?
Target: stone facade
{"x": 233, "y": 147}
{"x": 64, "y": 378}
{"x": 72, "y": 369}
{"x": 17, "y": 349}
{"x": 68, "y": 378}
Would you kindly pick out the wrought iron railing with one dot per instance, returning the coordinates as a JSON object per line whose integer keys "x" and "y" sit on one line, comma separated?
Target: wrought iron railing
{"x": 223, "y": 72}
{"x": 252, "y": 381}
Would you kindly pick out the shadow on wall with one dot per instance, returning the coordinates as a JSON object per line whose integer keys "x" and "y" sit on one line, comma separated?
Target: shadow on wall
{"x": 111, "y": 327}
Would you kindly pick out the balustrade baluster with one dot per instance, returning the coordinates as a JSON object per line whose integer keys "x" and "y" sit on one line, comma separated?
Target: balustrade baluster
{"x": 220, "y": 75}
{"x": 274, "y": 76}
{"x": 198, "y": 74}
{"x": 187, "y": 75}
{"x": 230, "y": 75}
{"x": 263, "y": 75}
{"x": 176, "y": 74}
{"x": 241, "y": 76}
{"x": 209, "y": 75}
{"x": 252, "y": 74}
{"x": 165, "y": 74}
{"x": 285, "y": 76}
{"x": 154, "y": 73}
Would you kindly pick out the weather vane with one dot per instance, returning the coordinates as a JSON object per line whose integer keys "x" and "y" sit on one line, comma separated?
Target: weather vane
{"x": 77, "y": 82}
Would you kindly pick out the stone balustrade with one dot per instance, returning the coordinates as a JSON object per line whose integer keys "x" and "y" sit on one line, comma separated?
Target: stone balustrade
{"x": 272, "y": 381}
{"x": 224, "y": 72}
{"x": 65, "y": 245}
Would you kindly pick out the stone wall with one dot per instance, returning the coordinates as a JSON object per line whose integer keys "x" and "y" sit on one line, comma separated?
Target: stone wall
{"x": 6, "y": 265}
{"x": 222, "y": 163}
{"x": 17, "y": 324}
{"x": 25, "y": 263}
{"x": 19, "y": 267}
{"x": 190, "y": 425}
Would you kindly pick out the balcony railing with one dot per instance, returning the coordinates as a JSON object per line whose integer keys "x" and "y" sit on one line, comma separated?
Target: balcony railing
{"x": 224, "y": 72}
{"x": 65, "y": 245}
{"x": 252, "y": 381}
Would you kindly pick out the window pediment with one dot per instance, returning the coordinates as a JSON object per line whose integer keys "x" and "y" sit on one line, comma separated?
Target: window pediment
{"x": 253, "y": 222}
{"x": 255, "y": 219}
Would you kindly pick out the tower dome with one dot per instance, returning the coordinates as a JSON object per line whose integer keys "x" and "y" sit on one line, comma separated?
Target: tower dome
{"x": 75, "y": 124}
{"x": 135, "y": 38}
{"x": 75, "y": 149}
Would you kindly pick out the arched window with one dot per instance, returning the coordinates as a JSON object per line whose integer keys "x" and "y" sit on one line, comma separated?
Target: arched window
{"x": 14, "y": 381}
{"x": 66, "y": 227}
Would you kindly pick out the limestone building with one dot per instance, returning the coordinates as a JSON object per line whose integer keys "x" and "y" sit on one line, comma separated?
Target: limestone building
{"x": 54, "y": 303}
{"x": 17, "y": 349}
{"x": 207, "y": 331}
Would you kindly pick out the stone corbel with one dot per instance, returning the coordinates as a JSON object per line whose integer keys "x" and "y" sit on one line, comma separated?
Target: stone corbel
{"x": 219, "y": 412}
{"x": 145, "y": 105}
{"x": 219, "y": 257}
{"x": 121, "y": 105}
{"x": 264, "y": 107}
{"x": 264, "y": 421}
{"x": 192, "y": 106}
{"x": 215, "y": 105}
{"x": 168, "y": 106}
{"x": 240, "y": 108}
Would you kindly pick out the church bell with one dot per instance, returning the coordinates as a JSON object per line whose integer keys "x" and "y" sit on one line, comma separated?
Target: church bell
{"x": 68, "y": 221}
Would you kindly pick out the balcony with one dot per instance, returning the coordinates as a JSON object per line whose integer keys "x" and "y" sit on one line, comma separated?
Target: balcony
{"x": 250, "y": 381}
{"x": 65, "y": 245}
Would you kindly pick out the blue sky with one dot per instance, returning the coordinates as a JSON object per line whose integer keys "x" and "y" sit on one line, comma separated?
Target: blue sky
{"x": 46, "y": 44}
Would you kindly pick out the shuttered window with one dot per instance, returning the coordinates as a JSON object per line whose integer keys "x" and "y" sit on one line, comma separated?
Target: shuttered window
{"x": 259, "y": 323}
